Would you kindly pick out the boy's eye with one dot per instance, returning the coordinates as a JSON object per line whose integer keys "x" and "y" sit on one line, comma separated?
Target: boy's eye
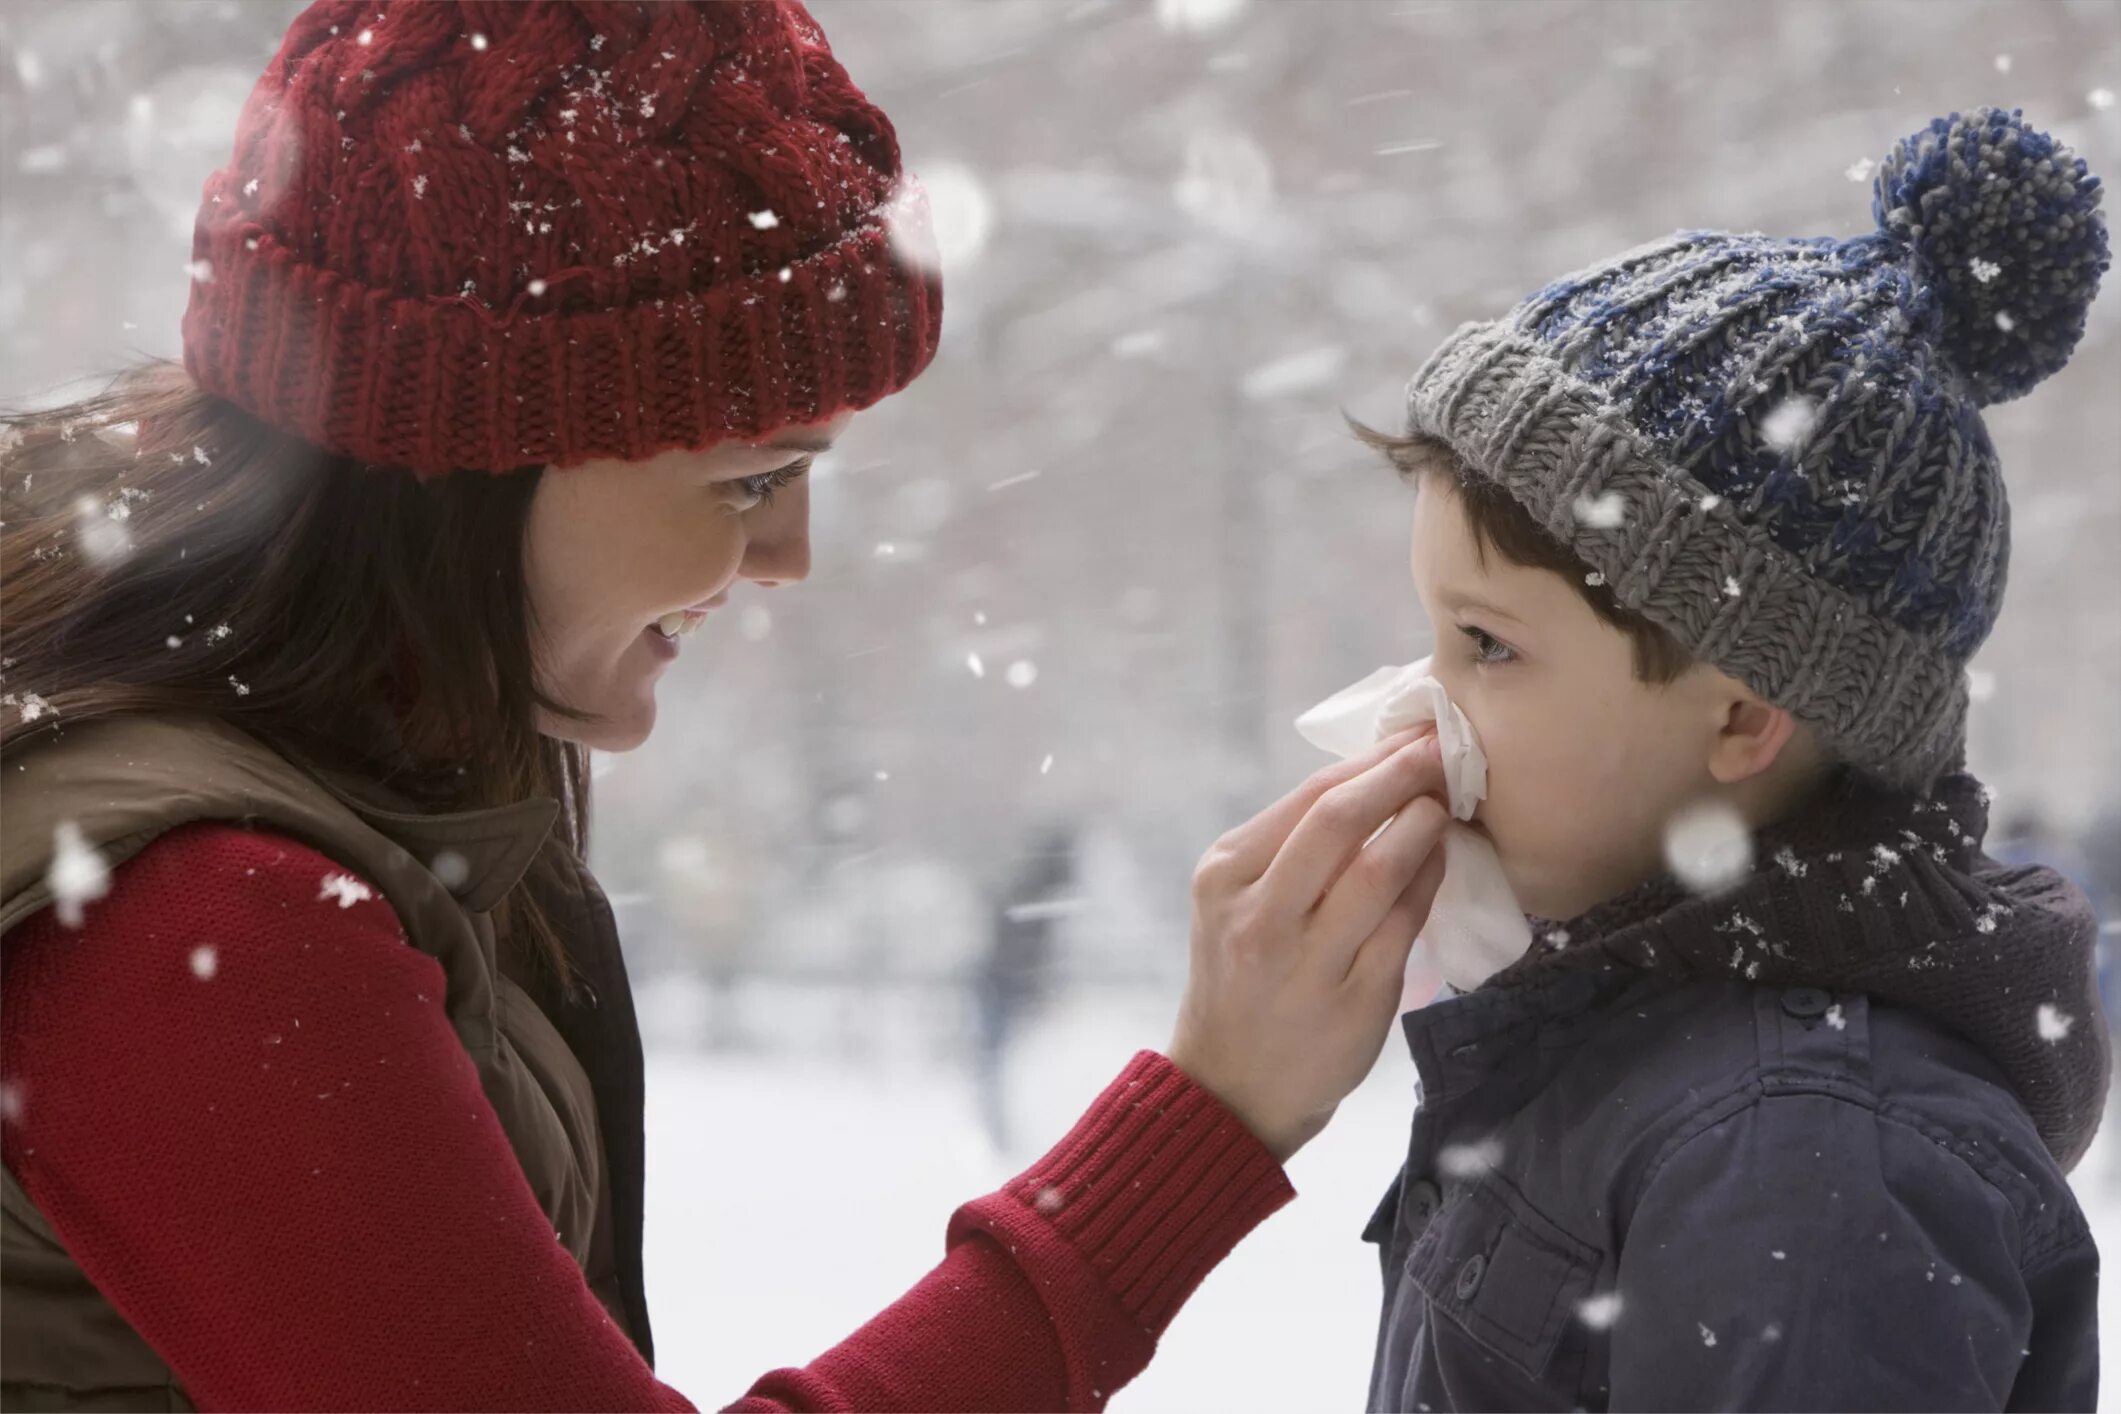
{"x": 1486, "y": 647}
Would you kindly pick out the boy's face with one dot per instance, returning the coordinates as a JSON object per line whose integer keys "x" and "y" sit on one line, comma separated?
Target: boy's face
{"x": 1586, "y": 762}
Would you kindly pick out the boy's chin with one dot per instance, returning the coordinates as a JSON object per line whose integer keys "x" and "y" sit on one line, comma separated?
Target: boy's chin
{"x": 1557, "y": 903}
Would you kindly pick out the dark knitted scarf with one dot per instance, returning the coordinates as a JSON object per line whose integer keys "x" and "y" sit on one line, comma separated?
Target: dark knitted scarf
{"x": 1877, "y": 890}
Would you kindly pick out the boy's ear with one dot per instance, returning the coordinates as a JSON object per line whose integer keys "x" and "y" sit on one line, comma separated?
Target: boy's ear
{"x": 1753, "y": 735}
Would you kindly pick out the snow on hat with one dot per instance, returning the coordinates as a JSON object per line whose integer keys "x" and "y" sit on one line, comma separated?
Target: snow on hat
{"x": 461, "y": 236}
{"x": 1792, "y": 427}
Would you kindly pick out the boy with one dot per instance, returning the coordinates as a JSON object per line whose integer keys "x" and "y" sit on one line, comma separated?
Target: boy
{"x": 1709, "y": 532}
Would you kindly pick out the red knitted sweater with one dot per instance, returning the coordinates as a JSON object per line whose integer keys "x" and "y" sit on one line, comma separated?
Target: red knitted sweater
{"x": 281, "y": 1170}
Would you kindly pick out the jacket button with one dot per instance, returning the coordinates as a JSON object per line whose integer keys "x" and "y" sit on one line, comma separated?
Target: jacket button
{"x": 1423, "y": 1199}
{"x": 1806, "y": 1002}
{"x": 1469, "y": 1276}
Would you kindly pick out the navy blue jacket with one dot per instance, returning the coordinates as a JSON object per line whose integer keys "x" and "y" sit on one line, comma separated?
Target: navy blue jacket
{"x": 1800, "y": 1146}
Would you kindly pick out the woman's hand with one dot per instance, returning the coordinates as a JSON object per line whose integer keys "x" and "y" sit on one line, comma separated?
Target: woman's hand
{"x": 1301, "y": 928}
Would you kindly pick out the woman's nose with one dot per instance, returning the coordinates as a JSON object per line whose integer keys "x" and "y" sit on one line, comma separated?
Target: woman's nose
{"x": 778, "y": 550}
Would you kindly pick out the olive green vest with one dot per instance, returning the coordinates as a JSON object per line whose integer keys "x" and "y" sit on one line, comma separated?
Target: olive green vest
{"x": 564, "y": 1076}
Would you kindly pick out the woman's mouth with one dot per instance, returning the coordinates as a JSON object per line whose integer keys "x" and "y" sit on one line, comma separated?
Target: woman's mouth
{"x": 663, "y": 635}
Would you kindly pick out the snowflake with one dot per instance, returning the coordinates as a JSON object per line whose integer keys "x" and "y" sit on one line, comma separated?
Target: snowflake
{"x": 1708, "y": 847}
{"x": 972, "y": 661}
{"x": 1600, "y": 1311}
{"x": 32, "y": 707}
{"x": 1835, "y": 1019}
{"x": 1711, "y": 501}
{"x": 1045, "y": 767}
{"x": 77, "y": 875}
{"x": 1594, "y": 579}
{"x": 346, "y": 889}
{"x": 1469, "y": 1160}
{"x": 1604, "y": 512}
{"x": 1860, "y": 170}
{"x": 1731, "y": 587}
{"x": 1786, "y": 859}
{"x": 2100, "y": 98}
{"x": 1984, "y": 270}
{"x": 764, "y": 220}
{"x": 419, "y": 187}
{"x": 201, "y": 271}
{"x": 1708, "y": 1337}
{"x": 2054, "y": 1025}
{"x": 1790, "y": 422}
{"x": 204, "y": 963}
{"x": 2005, "y": 322}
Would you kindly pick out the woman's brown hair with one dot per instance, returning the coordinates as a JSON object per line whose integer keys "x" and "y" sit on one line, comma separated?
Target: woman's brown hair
{"x": 161, "y": 550}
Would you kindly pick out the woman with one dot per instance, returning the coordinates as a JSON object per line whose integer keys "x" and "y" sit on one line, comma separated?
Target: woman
{"x": 513, "y": 328}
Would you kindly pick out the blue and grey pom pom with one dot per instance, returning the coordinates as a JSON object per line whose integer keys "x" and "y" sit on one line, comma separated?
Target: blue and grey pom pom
{"x": 2005, "y": 231}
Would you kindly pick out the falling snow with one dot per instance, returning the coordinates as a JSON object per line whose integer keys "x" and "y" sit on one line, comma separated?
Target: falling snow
{"x": 1708, "y": 847}
{"x": 1606, "y": 511}
{"x": 2053, "y": 1023}
{"x": 1469, "y": 1160}
{"x": 77, "y": 875}
{"x": 345, "y": 890}
{"x": 1789, "y": 424}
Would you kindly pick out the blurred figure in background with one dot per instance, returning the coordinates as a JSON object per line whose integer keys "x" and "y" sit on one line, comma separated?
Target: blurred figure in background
{"x": 1015, "y": 971}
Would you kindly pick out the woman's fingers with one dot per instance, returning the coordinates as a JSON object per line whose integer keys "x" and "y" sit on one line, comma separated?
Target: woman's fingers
{"x": 1376, "y": 882}
{"x": 1245, "y": 852}
{"x": 1379, "y": 966}
{"x": 1326, "y": 839}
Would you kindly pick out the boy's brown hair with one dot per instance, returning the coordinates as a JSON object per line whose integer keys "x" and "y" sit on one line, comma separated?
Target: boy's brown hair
{"x": 1500, "y": 524}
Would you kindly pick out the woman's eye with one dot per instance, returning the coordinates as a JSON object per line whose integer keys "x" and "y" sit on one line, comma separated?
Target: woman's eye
{"x": 760, "y": 488}
{"x": 1486, "y": 647}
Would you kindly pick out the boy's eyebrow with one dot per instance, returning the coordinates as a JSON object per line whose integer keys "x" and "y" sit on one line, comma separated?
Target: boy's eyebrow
{"x": 1455, "y": 600}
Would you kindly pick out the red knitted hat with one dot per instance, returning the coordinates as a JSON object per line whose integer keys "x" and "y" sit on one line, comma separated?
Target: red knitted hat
{"x": 475, "y": 236}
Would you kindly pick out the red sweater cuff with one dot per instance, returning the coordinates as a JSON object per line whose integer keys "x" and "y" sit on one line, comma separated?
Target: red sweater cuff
{"x": 1153, "y": 1187}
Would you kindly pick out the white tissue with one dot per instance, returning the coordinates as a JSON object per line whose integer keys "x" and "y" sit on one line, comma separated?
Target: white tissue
{"x": 1475, "y": 927}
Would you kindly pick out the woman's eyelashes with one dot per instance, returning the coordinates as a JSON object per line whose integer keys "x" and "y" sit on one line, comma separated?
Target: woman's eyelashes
{"x": 759, "y": 489}
{"x": 1487, "y": 648}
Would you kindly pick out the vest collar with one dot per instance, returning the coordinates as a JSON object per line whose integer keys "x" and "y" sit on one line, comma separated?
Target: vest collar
{"x": 479, "y": 855}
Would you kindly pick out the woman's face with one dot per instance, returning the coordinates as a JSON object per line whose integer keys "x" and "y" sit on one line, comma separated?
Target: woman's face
{"x": 618, "y": 551}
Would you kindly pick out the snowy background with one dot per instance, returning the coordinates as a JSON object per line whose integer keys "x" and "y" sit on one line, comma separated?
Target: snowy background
{"x": 1072, "y": 588}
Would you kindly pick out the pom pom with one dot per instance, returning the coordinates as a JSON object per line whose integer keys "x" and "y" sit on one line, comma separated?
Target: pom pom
{"x": 2004, "y": 229}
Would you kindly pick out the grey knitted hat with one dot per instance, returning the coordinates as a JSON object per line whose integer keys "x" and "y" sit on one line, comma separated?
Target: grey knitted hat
{"x": 1773, "y": 448}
